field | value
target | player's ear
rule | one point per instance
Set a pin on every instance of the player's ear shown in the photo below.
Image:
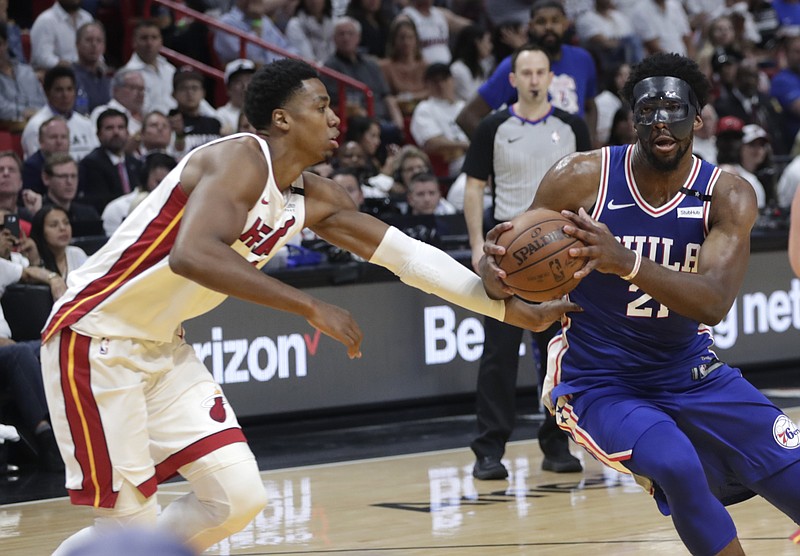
(280, 119)
(698, 121)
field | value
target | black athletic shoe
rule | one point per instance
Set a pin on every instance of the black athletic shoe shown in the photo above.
(489, 468)
(565, 463)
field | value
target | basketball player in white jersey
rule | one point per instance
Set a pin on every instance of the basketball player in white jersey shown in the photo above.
(131, 404)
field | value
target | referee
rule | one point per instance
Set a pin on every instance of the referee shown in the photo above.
(515, 147)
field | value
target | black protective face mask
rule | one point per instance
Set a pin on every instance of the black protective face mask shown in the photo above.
(664, 99)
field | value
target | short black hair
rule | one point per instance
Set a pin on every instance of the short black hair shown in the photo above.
(437, 72)
(57, 72)
(272, 86)
(542, 4)
(673, 65)
(110, 113)
(154, 161)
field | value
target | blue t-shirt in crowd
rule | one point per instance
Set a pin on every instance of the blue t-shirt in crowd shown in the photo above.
(574, 82)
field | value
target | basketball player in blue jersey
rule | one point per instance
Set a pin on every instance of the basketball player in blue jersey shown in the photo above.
(131, 403)
(634, 378)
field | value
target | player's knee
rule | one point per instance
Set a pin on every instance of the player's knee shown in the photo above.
(244, 496)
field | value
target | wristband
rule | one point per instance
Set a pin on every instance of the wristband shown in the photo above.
(637, 263)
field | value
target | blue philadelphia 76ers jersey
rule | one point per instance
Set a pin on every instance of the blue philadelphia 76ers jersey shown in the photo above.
(624, 335)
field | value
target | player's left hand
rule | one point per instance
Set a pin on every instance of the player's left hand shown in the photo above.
(602, 250)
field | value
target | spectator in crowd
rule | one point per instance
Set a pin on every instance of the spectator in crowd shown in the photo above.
(53, 34)
(108, 172)
(191, 127)
(756, 157)
(433, 124)
(425, 197)
(472, 60)
(253, 18)
(766, 23)
(348, 179)
(13, 34)
(411, 160)
(237, 76)
(53, 138)
(10, 188)
(536, 126)
(663, 26)
(353, 156)
(705, 138)
(434, 26)
(155, 69)
(52, 232)
(366, 132)
(752, 106)
(128, 92)
(59, 88)
(404, 67)
(61, 180)
(21, 94)
(574, 84)
(609, 101)
(508, 36)
(156, 166)
(730, 138)
(608, 34)
(623, 131)
(786, 90)
(20, 370)
(724, 67)
(349, 61)
(310, 30)
(374, 25)
(719, 37)
(93, 83)
(156, 136)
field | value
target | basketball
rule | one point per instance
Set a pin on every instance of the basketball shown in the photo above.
(537, 261)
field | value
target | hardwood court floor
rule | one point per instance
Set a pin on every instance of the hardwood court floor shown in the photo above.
(428, 504)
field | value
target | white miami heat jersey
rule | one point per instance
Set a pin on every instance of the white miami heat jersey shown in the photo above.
(127, 289)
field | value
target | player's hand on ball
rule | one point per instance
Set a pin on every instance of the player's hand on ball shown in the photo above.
(537, 317)
(491, 274)
(602, 250)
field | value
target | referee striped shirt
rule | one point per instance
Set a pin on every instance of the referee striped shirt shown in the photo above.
(517, 153)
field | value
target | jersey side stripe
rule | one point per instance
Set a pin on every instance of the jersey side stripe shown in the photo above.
(153, 245)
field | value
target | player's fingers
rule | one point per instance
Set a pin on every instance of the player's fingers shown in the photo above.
(495, 232)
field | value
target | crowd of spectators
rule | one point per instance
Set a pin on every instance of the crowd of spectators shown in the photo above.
(97, 130)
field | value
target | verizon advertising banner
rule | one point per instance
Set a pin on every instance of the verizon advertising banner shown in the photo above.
(417, 346)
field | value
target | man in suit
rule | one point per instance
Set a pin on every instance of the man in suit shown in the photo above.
(108, 172)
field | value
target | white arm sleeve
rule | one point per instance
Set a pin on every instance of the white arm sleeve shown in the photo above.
(433, 271)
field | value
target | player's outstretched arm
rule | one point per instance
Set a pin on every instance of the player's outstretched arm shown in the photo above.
(223, 182)
(421, 265)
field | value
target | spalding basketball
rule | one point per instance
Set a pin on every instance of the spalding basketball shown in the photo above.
(537, 261)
